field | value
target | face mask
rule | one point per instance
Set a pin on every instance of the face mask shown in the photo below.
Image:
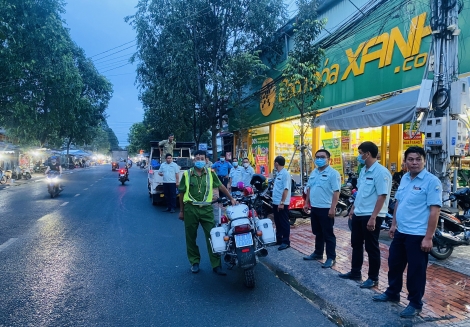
(320, 162)
(222, 159)
(199, 164)
(360, 160)
(246, 164)
(235, 164)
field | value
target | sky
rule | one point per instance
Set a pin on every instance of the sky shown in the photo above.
(98, 27)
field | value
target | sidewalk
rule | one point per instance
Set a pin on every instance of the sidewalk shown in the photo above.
(447, 300)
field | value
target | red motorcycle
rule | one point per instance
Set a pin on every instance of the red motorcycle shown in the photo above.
(296, 205)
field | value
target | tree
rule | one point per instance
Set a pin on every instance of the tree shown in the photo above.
(302, 83)
(194, 55)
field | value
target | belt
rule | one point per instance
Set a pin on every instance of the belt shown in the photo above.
(200, 205)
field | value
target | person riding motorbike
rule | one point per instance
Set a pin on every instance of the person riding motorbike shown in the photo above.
(54, 166)
(122, 164)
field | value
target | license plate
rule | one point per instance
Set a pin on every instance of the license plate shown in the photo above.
(162, 195)
(242, 240)
(122, 175)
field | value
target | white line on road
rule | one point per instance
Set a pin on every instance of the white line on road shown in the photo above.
(77, 194)
(64, 204)
(85, 189)
(7, 244)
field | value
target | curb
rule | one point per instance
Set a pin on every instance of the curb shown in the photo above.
(342, 301)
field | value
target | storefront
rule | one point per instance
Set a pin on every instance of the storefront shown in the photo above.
(372, 69)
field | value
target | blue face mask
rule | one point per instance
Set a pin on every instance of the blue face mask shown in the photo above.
(222, 159)
(360, 160)
(320, 162)
(235, 164)
(199, 164)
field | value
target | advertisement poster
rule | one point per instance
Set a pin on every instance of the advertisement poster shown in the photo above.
(260, 150)
(345, 141)
(411, 136)
(334, 147)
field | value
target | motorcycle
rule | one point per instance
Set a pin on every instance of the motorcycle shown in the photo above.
(123, 176)
(39, 168)
(25, 172)
(3, 178)
(453, 229)
(52, 180)
(241, 236)
(296, 204)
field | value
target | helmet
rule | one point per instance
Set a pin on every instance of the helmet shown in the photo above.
(259, 181)
(247, 190)
(240, 185)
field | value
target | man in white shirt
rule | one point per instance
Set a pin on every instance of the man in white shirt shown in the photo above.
(248, 172)
(170, 172)
(235, 176)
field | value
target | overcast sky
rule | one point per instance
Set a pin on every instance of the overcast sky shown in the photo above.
(98, 26)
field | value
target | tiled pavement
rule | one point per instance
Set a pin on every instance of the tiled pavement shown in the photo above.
(447, 297)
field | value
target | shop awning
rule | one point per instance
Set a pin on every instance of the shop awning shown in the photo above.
(395, 110)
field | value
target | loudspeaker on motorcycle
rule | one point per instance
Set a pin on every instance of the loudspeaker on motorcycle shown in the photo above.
(266, 226)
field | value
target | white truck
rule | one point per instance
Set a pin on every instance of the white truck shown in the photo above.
(116, 156)
(181, 156)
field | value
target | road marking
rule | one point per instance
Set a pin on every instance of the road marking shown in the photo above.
(77, 194)
(64, 204)
(91, 185)
(7, 244)
(85, 189)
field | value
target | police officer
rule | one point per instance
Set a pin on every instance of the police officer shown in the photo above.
(166, 146)
(195, 203)
(248, 172)
(414, 223)
(281, 199)
(322, 195)
(222, 168)
(56, 167)
(235, 176)
(369, 210)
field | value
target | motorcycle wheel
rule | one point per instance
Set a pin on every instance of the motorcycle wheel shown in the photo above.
(27, 176)
(3, 180)
(441, 252)
(249, 278)
(123, 182)
(338, 210)
(292, 221)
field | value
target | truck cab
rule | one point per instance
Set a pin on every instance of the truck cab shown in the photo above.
(181, 156)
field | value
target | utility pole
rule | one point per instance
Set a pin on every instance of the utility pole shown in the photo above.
(443, 97)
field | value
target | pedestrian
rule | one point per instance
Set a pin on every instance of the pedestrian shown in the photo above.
(396, 178)
(281, 199)
(322, 196)
(222, 169)
(235, 176)
(415, 218)
(248, 172)
(170, 172)
(367, 213)
(166, 146)
(196, 189)
(208, 164)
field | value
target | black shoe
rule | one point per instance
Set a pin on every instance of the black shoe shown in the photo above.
(410, 312)
(313, 256)
(278, 242)
(328, 263)
(172, 211)
(384, 298)
(218, 270)
(195, 268)
(166, 210)
(369, 283)
(349, 275)
(283, 246)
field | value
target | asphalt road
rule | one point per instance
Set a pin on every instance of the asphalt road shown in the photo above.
(101, 255)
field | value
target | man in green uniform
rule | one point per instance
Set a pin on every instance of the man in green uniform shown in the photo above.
(166, 146)
(195, 198)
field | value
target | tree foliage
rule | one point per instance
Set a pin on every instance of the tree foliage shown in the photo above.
(196, 56)
(49, 92)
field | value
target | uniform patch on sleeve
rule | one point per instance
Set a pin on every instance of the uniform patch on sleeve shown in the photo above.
(438, 188)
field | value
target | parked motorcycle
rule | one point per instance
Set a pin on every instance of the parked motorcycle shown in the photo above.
(296, 205)
(25, 172)
(3, 178)
(241, 236)
(452, 229)
(53, 183)
(123, 177)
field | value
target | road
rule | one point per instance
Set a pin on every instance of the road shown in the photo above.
(101, 255)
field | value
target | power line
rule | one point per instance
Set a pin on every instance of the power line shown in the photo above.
(112, 48)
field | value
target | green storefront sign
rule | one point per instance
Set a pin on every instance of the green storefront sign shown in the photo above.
(384, 52)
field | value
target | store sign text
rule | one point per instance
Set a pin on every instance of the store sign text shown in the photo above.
(382, 48)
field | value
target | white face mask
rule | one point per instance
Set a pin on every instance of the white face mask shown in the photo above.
(246, 164)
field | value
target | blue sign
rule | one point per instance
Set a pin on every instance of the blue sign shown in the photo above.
(203, 146)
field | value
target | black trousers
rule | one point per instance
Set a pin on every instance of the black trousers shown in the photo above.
(223, 180)
(169, 189)
(281, 219)
(322, 228)
(360, 237)
(406, 250)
